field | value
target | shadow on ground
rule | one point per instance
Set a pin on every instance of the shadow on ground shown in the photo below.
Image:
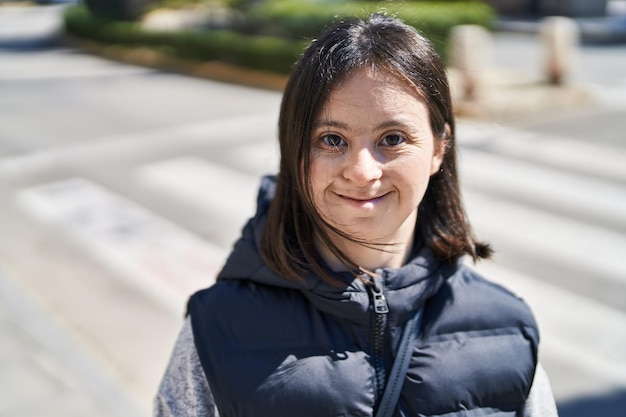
(610, 405)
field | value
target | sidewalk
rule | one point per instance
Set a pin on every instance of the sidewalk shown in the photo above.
(43, 371)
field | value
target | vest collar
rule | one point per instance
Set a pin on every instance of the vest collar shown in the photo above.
(405, 288)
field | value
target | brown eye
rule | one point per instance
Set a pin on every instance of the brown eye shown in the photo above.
(333, 141)
(392, 140)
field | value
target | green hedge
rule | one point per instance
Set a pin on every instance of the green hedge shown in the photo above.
(256, 52)
(298, 19)
(278, 30)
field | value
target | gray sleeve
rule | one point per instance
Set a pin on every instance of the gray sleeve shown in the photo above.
(540, 402)
(184, 390)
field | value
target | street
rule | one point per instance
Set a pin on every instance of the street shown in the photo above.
(122, 189)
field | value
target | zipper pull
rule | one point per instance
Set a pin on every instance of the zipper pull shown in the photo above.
(380, 303)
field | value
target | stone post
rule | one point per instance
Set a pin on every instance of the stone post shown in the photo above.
(471, 53)
(560, 37)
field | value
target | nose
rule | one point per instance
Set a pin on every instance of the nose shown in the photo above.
(362, 167)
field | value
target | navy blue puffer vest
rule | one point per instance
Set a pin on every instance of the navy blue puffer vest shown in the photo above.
(271, 347)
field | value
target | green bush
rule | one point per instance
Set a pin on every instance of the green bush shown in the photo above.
(299, 19)
(277, 30)
(257, 52)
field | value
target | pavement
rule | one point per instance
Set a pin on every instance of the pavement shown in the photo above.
(46, 372)
(45, 367)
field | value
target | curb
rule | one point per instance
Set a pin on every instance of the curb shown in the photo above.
(210, 70)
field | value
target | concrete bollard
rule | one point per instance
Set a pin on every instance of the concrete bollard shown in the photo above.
(560, 37)
(471, 53)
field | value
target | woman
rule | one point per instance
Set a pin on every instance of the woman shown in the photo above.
(361, 234)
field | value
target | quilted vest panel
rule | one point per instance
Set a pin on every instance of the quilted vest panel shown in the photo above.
(266, 351)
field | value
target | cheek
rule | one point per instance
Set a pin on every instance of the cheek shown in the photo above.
(415, 176)
(323, 169)
(319, 180)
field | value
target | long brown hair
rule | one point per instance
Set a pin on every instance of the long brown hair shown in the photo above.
(293, 220)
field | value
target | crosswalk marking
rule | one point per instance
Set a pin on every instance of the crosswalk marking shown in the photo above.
(255, 159)
(230, 130)
(225, 194)
(518, 200)
(125, 236)
(160, 258)
(568, 194)
(582, 246)
(587, 158)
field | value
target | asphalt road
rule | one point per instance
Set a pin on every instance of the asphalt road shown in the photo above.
(122, 189)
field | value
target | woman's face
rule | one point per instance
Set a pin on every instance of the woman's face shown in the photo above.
(373, 153)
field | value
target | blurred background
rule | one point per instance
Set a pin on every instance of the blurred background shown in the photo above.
(133, 134)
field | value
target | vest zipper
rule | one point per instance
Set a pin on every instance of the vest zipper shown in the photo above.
(378, 334)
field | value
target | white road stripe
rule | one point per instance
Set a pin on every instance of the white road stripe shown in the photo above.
(225, 193)
(227, 130)
(229, 195)
(579, 245)
(584, 157)
(257, 159)
(566, 193)
(49, 72)
(160, 258)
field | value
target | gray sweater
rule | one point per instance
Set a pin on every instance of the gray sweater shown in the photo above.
(184, 390)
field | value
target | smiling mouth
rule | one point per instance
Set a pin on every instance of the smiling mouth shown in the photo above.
(363, 200)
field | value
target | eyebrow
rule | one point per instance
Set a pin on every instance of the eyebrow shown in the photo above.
(340, 125)
(330, 123)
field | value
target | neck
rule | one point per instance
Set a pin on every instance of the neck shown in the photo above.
(392, 254)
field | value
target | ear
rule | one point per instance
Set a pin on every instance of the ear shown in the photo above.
(439, 151)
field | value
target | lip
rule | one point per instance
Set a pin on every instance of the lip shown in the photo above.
(363, 200)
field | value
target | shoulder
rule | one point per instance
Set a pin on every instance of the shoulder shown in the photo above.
(216, 292)
(233, 293)
(235, 306)
(472, 290)
(469, 300)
